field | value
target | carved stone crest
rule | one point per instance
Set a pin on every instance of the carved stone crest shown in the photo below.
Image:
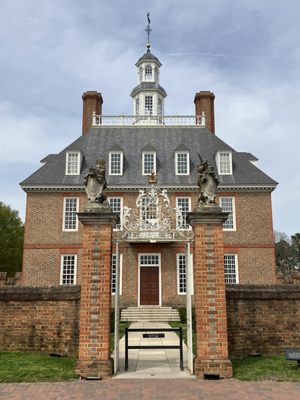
(95, 183)
(208, 184)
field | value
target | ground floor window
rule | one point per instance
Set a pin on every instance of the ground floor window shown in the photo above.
(181, 274)
(68, 269)
(231, 268)
(114, 273)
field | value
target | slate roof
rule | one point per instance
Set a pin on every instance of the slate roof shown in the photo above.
(148, 86)
(148, 56)
(133, 140)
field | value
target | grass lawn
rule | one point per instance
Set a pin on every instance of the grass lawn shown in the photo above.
(34, 367)
(274, 368)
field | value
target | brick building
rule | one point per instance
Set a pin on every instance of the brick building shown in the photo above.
(133, 147)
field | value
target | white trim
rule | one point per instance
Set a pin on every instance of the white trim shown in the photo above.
(187, 161)
(121, 208)
(61, 267)
(78, 162)
(120, 276)
(218, 155)
(64, 214)
(189, 210)
(143, 161)
(121, 162)
(233, 213)
(145, 266)
(192, 273)
(236, 266)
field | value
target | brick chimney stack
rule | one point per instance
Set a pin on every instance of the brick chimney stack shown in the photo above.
(92, 101)
(204, 101)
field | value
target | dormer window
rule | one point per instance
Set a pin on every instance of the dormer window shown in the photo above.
(182, 163)
(72, 163)
(149, 162)
(116, 163)
(148, 73)
(224, 162)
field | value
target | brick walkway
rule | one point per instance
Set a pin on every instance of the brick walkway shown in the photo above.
(156, 389)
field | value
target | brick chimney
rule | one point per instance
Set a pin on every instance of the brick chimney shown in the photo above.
(204, 101)
(92, 101)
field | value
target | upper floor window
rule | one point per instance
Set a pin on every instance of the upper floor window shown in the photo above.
(231, 268)
(224, 162)
(156, 74)
(228, 205)
(137, 106)
(182, 163)
(115, 163)
(113, 274)
(68, 267)
(148, 105)
(116, 205)
(149, 162)
(70, 220)
(141, 74)
(148, 73)
(185, 205)
(160, 106)
(148, 212)
(72, 163)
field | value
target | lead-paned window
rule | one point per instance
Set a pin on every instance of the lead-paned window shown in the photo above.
(182, 163)
(68, 269)
(70, 220)
(115, 163)
(149, 162)
(148, 73)
(230, 268)
(72, 163)
(227, 204)
(185, 206)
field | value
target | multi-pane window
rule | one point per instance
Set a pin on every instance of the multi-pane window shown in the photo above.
(137, 106)
(115, 163)
(70, 221)
(72, 163)
(160, 106)
(224, 161)
(227, 204)
(230, 268)
(114, 273)
(182, 163)
(149, 259)
(148, 105)
(185, 206)
(149, 163)
(148, 211)
(181, 274)
(148, 73)
(116, 206)
(68, 269)
(141, 74)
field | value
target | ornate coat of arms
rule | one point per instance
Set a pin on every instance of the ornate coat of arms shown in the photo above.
(208, 184)
(95, 182)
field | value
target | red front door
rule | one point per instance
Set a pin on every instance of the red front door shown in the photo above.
(149, 286)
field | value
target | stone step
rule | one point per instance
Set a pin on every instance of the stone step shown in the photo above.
(163, 314)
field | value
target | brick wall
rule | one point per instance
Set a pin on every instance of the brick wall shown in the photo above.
(39, 319)
(262, 318)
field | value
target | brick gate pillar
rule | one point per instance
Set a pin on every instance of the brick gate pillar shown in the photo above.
(94, 335)
(209, 293)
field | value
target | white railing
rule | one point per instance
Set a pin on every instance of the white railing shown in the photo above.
(169, 120)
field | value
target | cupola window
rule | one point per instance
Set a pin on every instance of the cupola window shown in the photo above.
(148, 73)
(137, 106)
(148, 105)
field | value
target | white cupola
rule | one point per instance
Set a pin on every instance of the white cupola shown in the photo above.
(148, 96)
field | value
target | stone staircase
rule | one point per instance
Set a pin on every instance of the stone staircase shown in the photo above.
(148, 313)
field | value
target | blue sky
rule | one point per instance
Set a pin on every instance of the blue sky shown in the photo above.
(246, 51)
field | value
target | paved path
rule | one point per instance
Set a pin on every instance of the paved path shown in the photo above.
(152, 363)
(157, 389)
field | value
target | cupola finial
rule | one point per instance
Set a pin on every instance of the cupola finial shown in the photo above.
(148, 30)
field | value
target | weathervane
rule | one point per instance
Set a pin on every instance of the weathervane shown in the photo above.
(148, 30)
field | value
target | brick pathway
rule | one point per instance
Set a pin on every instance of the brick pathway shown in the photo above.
(156, 389)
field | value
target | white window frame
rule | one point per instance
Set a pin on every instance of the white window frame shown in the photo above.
(189, 210)
(148, 110)
(120, 277)
(121, 208)
(236, 268)
(120, 153)
(62, 266)
(64, 215)
(187, 153)
(145, 266)
(232, 213)
(148, 76)
(69, 153)
(178, 255)
(144, 153)
(219, 154)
